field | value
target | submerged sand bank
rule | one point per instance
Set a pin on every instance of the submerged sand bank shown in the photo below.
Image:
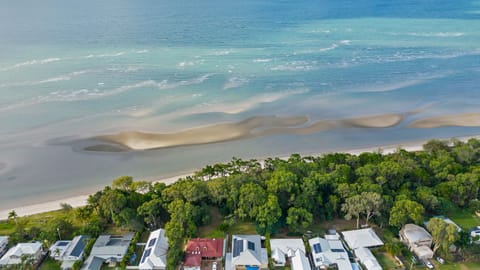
(459, 120)
(251, 127)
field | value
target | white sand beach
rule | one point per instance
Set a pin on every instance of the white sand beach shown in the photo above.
(75, 201)
(81, 200)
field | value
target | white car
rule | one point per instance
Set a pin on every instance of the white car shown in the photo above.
(440, 260)
(214, 266)
(429, 265)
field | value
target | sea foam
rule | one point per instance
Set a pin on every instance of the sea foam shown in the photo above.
(30, 63)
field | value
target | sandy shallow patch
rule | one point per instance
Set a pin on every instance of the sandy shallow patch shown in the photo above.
(209, 134)
(459, 120)
(248, 128)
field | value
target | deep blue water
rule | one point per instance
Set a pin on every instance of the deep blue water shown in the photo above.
(83, 68)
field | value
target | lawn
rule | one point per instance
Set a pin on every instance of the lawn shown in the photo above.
(319, 228)
(386, 261)
(38, 220)
(50, 264)
(242, 227)
(457, 266)
(7, 227)
(113, 230)
(212, 230)
(465, 219)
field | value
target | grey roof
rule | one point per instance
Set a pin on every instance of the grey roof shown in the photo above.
(108, 246)
(415, 233)
(93, 263)
(109, 240)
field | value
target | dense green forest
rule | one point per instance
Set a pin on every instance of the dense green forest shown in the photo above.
(387, 190)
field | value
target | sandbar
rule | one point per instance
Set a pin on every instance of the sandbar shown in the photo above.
(248, 128)
(458, 120)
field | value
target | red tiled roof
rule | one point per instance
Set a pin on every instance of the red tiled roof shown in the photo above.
(208, 248)
(192, 260)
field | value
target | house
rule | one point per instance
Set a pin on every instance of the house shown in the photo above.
(446, 220)
(329, 252)
(359, 241)
(93, 263)
(16, 254)
(418, 240)
(299, 261)
(69, 251)
(367, 259)
(109, 249)
(284, 248)
(247, 253)
(155, 253)
(199, 249)
(3, 245)
(364, 238)
(58, 249)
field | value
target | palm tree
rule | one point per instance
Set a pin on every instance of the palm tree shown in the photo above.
(13, 215)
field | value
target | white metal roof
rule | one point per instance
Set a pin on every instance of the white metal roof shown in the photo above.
(285, 244)
(367, 258)
(155, 254)
(326, 252)
(362, 238)
(13, 255)
(300, 261)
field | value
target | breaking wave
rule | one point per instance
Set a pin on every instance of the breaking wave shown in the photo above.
(89, 94)
(235, 82)
(104, 55)
(439, 34)
(296, 66)
(30, 63)
(243, 105)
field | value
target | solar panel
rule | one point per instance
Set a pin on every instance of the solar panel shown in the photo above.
(237, 247)
(317, 248)
(62, 244)
(337, 250)
(251, 246)
(146, 254)
(152, 242)
(78, 249)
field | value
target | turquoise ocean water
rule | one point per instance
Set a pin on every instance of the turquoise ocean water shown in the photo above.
(75, 69)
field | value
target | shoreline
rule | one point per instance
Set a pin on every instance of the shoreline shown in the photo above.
(81, 200)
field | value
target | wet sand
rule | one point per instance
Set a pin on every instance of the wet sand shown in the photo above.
(458, 120)
(251, 127)
(209, 134)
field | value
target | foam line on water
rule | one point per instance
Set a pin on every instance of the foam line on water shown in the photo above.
(90, 94)
(32, 62)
